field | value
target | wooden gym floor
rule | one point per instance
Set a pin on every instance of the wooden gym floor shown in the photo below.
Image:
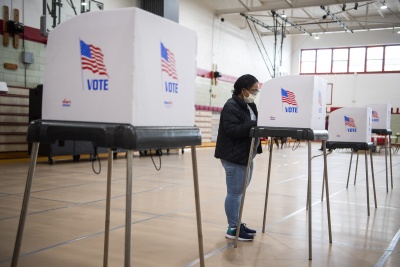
(65, 222)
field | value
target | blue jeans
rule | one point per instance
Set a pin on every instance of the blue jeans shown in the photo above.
(235, 175)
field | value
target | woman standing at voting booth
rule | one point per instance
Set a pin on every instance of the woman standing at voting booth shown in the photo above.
(238, 116)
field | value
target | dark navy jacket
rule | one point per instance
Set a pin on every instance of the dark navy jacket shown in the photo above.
(233, 141)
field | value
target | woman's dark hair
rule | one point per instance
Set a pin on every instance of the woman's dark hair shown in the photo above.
(244, 81)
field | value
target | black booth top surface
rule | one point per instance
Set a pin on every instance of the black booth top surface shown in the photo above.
(351, 145)
(295, 133)
(109, 135)
(382, 131)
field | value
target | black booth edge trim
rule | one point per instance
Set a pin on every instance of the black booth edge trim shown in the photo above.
(110, 135)
(382, 131)
(295, 133)
(351, 145)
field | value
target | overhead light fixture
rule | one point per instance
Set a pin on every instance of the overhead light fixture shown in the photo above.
(383, 6)
(283, 15)
(316, 37)
(328, 13)
(355, 6)
(344, 7)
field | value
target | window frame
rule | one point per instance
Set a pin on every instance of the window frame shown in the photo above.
(348, 60)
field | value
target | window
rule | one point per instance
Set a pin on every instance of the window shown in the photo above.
(392, 58)
(374, 59)
(324, 59)
(384, 58)
(357, 59)
(340, 60)
(308, 61)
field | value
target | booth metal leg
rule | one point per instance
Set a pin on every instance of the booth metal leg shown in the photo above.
(386, 167)
(355, 174)
(128, 208)
(323, 182)
(366, 179)
(348, 175)
(373, 177)
(244, 191)
(323, 186)
(198, 211)
(309, 204)
(391, 165)
(308, 199)
(24, 209)
(267, 188)
(108, 202)
(328, 208)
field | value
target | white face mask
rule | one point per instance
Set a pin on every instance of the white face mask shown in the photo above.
(250, 98)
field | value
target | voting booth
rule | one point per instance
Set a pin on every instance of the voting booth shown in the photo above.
(297, 101)
(351, 128)
(121, 79)
(292, 106)
(144, 75)
(381, 117)
(350, 125)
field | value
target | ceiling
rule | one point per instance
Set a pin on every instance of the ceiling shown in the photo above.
(308, 16)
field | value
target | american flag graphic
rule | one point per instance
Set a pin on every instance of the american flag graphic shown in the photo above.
(375, 115)
(319, 98)
(349, 122)
(92, 59)
(168, 62)
(288, 97)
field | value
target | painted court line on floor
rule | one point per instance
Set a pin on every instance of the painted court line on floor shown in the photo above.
(389, 250)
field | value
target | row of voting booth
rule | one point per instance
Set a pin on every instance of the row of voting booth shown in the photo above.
(138, 93)
(295, 106)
